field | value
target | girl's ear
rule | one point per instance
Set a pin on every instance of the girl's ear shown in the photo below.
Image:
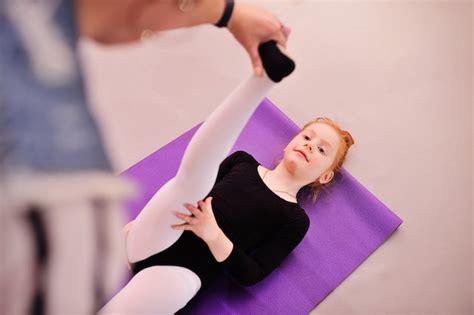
(326, 178)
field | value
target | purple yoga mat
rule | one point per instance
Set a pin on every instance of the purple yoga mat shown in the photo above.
(347, 224)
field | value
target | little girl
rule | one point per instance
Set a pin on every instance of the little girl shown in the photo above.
(249, 220)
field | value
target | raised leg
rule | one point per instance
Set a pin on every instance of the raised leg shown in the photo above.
(151, 231)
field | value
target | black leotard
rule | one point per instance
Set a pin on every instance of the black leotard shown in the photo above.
(263, 227)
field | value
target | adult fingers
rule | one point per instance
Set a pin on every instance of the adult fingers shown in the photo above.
(280, 38)
(286, 30)
(256, 61)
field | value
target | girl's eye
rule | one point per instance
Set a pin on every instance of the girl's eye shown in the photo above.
(306, 137)
(322, 150)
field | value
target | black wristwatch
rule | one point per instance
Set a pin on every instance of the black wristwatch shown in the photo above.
(229, 7)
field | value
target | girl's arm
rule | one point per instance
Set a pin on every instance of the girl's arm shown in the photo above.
(248, 269)
(220, 247)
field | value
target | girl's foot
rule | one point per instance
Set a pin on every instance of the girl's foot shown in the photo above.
(275, 60)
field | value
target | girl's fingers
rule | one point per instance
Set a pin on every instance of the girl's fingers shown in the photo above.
(185, 217)
(209, 202)
(195, 211)
(202, 205)
(181, 227)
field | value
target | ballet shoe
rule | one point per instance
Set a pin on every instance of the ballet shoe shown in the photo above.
(275, 60)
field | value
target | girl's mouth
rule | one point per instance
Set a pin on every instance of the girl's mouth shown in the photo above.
(302, 155)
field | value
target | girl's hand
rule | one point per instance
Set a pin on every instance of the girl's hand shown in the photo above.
(202, 221)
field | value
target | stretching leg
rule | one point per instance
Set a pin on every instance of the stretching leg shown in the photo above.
(151, 231)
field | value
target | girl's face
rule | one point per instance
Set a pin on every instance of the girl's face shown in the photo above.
(310, 153)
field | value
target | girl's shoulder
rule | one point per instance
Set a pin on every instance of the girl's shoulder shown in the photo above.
(241, 156)
(232, 160)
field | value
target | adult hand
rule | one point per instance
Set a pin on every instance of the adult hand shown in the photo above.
(252, 26)
(202, 221)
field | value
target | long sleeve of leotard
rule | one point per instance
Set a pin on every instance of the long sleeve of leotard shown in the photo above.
(248, 269)
(227, 164)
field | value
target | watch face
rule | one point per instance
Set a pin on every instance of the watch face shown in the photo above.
(186, 5)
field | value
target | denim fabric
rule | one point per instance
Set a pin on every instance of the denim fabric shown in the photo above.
(44, 127)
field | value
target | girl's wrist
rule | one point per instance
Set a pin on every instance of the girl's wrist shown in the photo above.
(216, 238)
(220, 247)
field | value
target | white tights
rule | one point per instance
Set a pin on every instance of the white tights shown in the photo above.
(166, 289)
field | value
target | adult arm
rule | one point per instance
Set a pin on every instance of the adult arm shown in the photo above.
(121, 21)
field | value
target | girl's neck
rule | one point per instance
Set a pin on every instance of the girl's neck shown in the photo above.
(282, 179)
